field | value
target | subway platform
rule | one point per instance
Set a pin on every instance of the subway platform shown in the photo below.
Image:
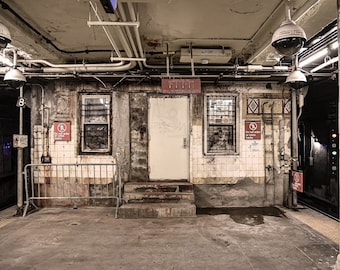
(91, 239)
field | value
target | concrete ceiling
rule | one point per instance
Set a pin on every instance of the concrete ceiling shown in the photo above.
(62, 31)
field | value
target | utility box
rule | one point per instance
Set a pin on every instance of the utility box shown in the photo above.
(20, 141)
(206, 56)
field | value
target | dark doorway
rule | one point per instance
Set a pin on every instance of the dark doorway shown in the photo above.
(9, 125)
(318, 151)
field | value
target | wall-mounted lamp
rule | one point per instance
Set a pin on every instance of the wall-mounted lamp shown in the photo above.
(289, 38)
(14, 78)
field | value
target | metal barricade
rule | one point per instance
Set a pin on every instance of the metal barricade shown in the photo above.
(71, 184)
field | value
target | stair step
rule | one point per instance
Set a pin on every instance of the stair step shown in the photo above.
(158, 187)
(152, 197)
(157, 210)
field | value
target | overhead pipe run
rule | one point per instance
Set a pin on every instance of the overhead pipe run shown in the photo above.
(122, 15)
(79, 68)
(103, 23)
(108, 35)
(123, 39)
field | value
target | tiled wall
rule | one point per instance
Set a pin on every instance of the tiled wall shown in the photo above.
(61, 105)
(250, 161)
(237, 178)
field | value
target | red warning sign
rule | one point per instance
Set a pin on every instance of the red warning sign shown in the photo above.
(297, 181)
(62, 131)
(252, 130)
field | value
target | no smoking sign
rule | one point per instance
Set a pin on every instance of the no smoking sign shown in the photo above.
(252, 130)
(62, 131)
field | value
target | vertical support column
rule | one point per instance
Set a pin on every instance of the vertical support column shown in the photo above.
(294, 144)
(337, 266)
(20, 159)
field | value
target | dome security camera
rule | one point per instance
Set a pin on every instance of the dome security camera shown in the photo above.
(5, 36)
(289, 38)
(296, 79)
(14, 78)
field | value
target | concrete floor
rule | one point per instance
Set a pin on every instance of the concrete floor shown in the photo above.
(91, 238)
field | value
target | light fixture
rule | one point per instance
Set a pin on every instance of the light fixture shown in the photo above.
(289, 38)
(296, 79)
(5, 36)
(14, 78)
(109, 6)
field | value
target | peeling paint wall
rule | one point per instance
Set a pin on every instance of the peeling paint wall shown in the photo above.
(250, 177)
(139, 137)
(59, 102)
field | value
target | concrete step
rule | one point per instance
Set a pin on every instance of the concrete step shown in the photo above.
(160, 197)
(157, 210)
(158, 187)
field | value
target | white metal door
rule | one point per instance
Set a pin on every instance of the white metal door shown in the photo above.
(169, 138)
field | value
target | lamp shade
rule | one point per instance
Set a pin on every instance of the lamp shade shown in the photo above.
(296, 79)
(289, 38)
(14, 78)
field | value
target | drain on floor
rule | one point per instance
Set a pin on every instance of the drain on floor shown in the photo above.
(251, 220)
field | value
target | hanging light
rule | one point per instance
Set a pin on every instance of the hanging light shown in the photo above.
(296, 79)
(289, 38)
(14, 78)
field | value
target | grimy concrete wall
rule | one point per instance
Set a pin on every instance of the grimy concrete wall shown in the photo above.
(139, 137)
(250, 177)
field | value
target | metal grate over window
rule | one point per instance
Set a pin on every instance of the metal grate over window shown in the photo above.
(220, 124)
(95, 123)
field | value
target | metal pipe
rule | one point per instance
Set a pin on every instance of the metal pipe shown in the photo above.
(127, 40)
(127, 29)
(128, 59)
(134, 18)
(70, 66)
(20, 156)
(111, 40)
(287, 7)
(103, 23)
(86, 68)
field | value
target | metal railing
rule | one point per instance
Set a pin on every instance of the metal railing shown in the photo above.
(88, 184)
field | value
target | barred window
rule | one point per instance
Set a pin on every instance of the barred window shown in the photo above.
(95, 118)
(220, 124)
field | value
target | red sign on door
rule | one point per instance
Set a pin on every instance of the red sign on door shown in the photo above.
(297, 181)
(252, 130)
(62, 131)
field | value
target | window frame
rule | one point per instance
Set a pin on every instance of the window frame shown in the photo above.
(86, 124)
(228, 125)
